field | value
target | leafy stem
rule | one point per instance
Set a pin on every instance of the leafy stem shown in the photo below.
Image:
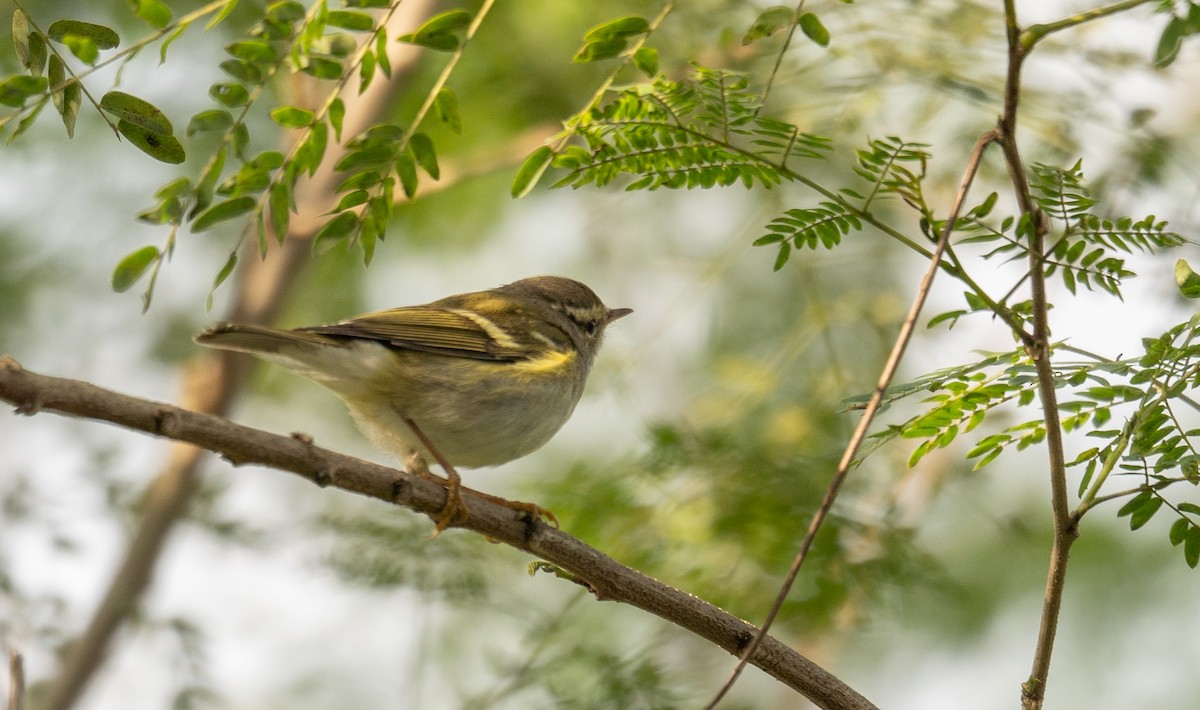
(1036, 33)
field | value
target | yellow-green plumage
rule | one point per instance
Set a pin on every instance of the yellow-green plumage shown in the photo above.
(488, 376)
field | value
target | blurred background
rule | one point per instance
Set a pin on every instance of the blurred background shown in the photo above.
(710, 428)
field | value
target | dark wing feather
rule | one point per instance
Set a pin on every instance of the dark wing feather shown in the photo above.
(426, 329)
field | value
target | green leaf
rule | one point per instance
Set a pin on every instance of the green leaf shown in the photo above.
(1169, 43)
(285, 11)
(281, 205)
(222, 212)
(209, 121)
(30, 46)
(1133, 504)
(230, 95)
(951, 316)
(131, 268)
(170, 202)
(381, 57)
(406, 170)
(15, 90)
(163, 147)
(351, 199)
(366, 71)
(323, 68)
(1186, 280)
(220, 16)
(446, 106)
(152, 12)
(133, 110)
(291, 117)
(83, 48)
(1178, 531)
(71, 99)
(29, 119)
(223, 274)
(424, 153)
(439, 31)
(252, 50)
(646, 61)
(622, 27)
(599, 50)
(176, 34)
(781, 259)
(208, 181)
(812, 28)
(531, 171)
(1191, 547)
(334, 231)
(99, 35)
(768, 23)
(350, 20)
(1142, 515)
(242, 70)
(337, 112)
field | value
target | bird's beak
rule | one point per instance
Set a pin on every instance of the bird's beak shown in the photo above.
(616, 313)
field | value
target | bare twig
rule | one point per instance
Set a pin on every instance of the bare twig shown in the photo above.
(605, 578)
(860, 432)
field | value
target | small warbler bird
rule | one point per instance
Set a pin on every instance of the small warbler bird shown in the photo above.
(475, 379)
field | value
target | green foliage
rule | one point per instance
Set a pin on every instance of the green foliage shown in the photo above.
(702, 131)
(610, 39)
(1155, 445)
(441, 32)
(885, 164)
(812, 28)
(1081, 245)
(801, 228)
(1177, 29)
(1186, 280)
(140, 122)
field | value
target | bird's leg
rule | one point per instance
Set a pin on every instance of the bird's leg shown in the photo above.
(454, 509)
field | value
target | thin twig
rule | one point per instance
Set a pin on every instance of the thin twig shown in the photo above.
(860, 432)
(787, 42)
(605, 578)
(1036, 33)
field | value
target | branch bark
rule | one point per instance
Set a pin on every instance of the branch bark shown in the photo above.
(1037, 344)
(603, 576)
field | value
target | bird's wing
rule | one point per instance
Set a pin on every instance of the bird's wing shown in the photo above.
(446, 331)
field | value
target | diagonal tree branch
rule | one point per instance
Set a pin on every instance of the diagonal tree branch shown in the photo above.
(600, 574)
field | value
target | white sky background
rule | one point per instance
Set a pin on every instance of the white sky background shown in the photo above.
(259, 611)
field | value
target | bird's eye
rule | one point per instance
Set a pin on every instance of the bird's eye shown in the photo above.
(592, 327)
